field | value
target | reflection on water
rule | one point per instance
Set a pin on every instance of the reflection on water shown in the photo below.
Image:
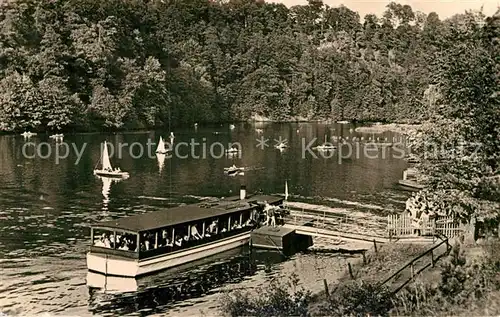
(106, 188)
(158, 292)
(161, 161)
(47, 205)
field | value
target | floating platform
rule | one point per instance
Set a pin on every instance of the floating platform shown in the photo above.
(280, 238)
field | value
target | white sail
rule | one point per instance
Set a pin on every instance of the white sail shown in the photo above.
(161, 146)
(106, 164)
(286, 190)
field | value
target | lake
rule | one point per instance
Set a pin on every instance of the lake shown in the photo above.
(49, 196)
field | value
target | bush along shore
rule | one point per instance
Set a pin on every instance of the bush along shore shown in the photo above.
(465, 282)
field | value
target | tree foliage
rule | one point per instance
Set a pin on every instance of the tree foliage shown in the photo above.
(461, 151)
(134, 64)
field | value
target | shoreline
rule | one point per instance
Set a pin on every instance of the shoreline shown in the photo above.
(366, 127)
(401, 128)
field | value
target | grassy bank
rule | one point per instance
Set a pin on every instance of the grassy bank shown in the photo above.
(285, 298)
(466, 282)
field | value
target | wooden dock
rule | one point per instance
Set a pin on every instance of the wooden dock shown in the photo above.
(281, 238)
(340, 235)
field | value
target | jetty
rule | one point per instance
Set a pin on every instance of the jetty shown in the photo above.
(347, 231)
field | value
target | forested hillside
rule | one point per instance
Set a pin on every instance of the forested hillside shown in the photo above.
(87, 64)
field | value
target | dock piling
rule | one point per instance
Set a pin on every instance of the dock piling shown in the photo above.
(326, 288)
(350, 270)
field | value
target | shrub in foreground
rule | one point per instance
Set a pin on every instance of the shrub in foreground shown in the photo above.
(280, 298)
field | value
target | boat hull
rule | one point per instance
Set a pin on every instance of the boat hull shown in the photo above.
(118, 266)
(411, 184)
(111, 174)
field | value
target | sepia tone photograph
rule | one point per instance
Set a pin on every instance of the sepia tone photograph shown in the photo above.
(249, 158)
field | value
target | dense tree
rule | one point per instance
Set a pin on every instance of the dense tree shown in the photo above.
(136, 64)
(461, 151)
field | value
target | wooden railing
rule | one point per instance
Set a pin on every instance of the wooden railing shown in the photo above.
(403, 225)
(413, 268)
(338, 222)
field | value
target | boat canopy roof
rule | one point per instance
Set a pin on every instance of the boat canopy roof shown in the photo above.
(185, 214)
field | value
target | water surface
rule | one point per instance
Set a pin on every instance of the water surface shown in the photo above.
(46, 207)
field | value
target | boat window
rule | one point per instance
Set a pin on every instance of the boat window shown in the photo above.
(165, 237)
(102, 238)
(126, 241)
(187, 235)
(114, 240)
(147, 241)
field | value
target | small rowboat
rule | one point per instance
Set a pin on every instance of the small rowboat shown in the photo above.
(28, 134)
(232, 150)
(410, 184)
(325, 147)
(57, 137)
(281, 146)
(233, 169)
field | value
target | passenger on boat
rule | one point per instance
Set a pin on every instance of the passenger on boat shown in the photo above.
(273, 217)
(107, 242)
(124, 245)
(164, 238)
(249, 222)
(195, 234)
(267, 211)
(168, 243)
(212, 228)
(236, 225)
(100, 242)
(178, 240)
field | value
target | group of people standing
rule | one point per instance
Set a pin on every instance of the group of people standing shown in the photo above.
(421, 211)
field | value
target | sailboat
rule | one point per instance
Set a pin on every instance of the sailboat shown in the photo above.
(161, 147)
(106, 169)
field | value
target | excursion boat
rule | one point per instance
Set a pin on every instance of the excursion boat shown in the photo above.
(143, 244)
(106, 169)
